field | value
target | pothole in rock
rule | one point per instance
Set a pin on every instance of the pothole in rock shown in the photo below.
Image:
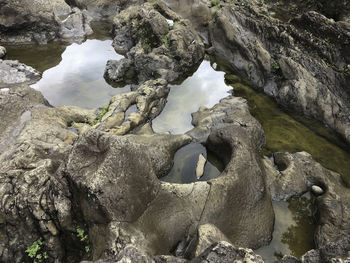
(294, 229)
(73, 74)
(204, 88)
(185, 165)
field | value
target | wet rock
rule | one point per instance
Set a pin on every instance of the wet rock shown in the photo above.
(41, 21)
(224, 252)
(2, 52)
(301, 64)
(297, 174)
(156, 49)
(200, 166)
(317, 190)
(13, 72)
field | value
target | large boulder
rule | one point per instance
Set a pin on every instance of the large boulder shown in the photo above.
(303, 64)
(40, 21)
(35, 206)
(156, 43)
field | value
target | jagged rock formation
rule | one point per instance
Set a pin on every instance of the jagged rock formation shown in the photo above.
(303, 64)
(157, 44)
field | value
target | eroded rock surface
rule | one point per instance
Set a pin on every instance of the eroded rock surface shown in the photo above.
(39, 21)
(12, 72)
(153, 47)
(297, 174)
(303, 64)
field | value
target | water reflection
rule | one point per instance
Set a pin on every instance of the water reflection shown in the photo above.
(78, 79)
(40, 57)
(185, 161)
(294, 229)
(205, 88)
(290, 133)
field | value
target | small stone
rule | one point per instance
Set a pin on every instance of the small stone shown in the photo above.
(200, 166)
(317, 190)
(2, 52)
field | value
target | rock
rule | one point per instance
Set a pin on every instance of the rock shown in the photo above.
(290, 259)
(76, 26)
(13, 72)
(40, 21)
(317, 190)
(200, 166)
(104, 9)
(301, 66)
(149, 98)
(337, 251)
(155, 49)
(297, 174)
(35, 200)
(224, 252)
(2, 52)
(206, 236)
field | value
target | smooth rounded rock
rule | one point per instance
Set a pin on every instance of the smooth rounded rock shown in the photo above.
(317, 190)
(2, 52)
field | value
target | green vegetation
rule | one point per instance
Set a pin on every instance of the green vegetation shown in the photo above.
(213, 3)
(83, 238)
(165, 40)
(100, 115)
(36, 253)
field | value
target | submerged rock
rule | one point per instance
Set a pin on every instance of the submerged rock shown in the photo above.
(200, 166)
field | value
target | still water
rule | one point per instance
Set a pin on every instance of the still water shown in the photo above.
(294, 229)
(204, 88)
(185, 161)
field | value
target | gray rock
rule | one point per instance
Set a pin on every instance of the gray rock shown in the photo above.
(223, 252)
(297, 63)
(35, 200)
(2, 52)
(41, 21)
(13, 72)
(156, 50)
(297, 174)
(149, 98)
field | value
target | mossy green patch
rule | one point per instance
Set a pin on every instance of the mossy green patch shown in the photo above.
(293, 133)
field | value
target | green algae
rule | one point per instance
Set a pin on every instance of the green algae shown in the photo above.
(293, 231)
(292, 133)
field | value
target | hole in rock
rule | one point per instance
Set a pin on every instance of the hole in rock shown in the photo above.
(185, 164)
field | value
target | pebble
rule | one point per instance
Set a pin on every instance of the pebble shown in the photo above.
(317, 190)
